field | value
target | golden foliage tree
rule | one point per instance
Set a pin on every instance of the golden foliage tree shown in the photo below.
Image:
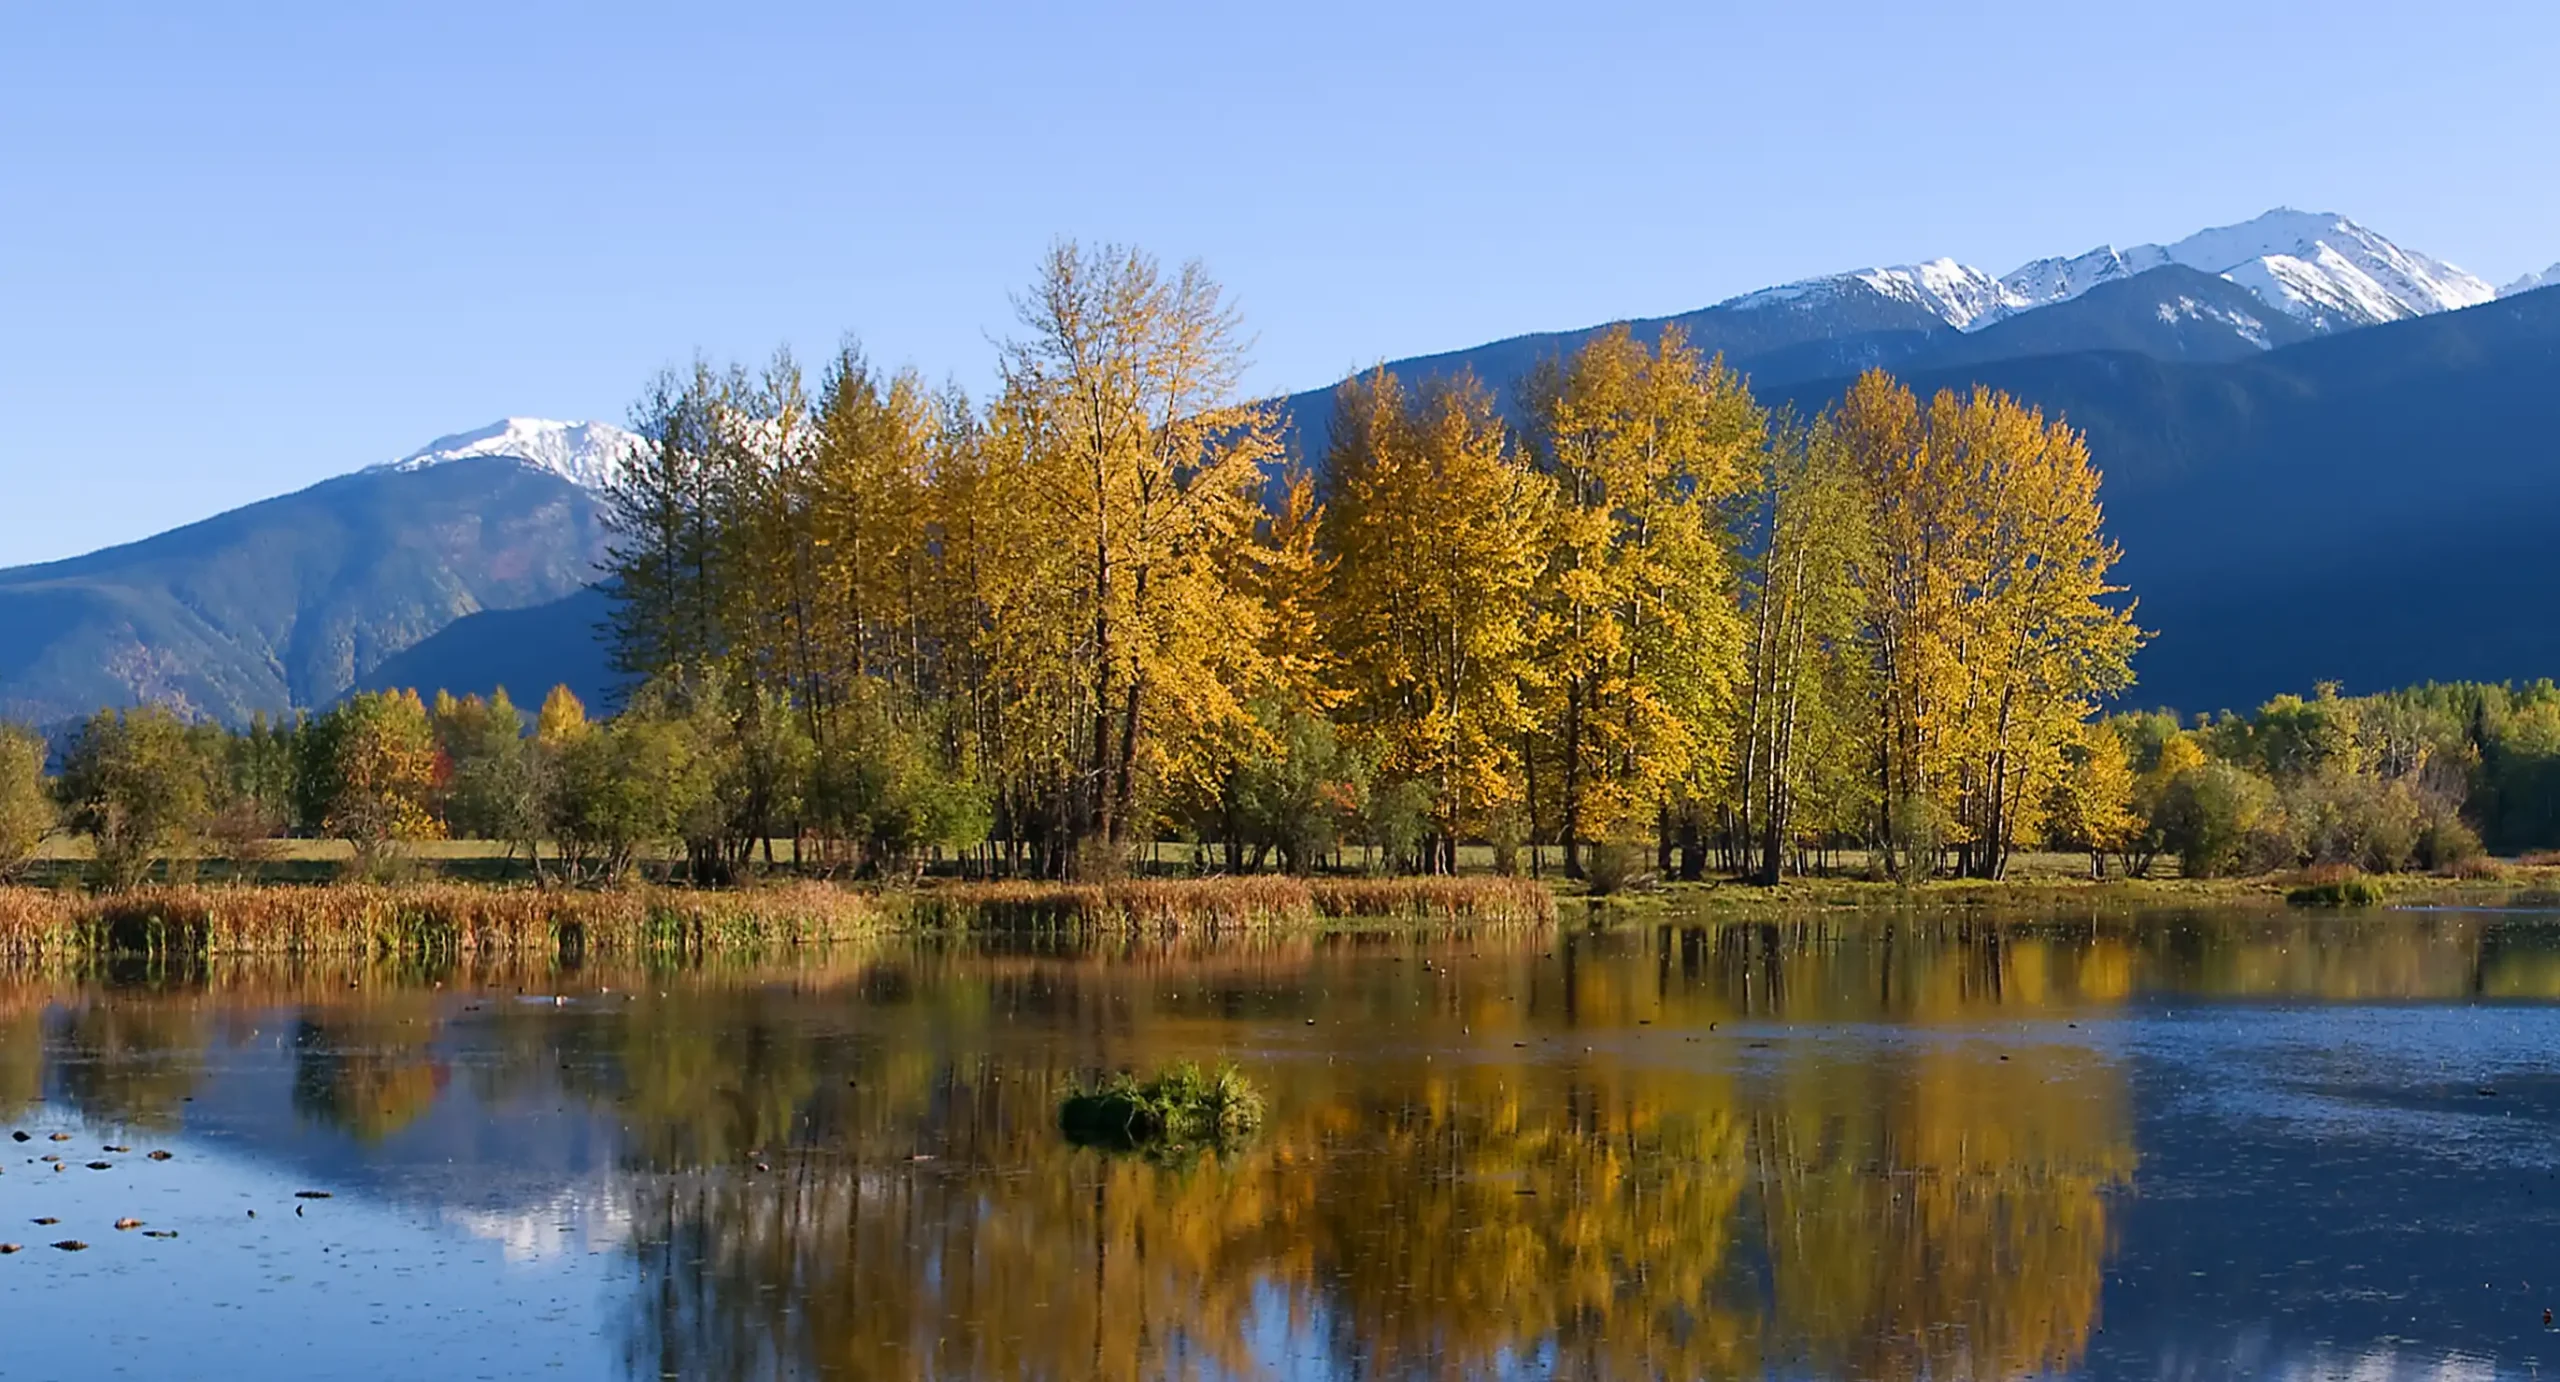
(1435, 529)
(1124, 477)
(1987, 604)
(1638, 634)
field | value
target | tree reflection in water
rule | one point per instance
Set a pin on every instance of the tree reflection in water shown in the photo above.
(1661, 1207)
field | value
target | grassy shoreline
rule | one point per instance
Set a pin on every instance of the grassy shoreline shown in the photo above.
(478, 919)
(518, 920)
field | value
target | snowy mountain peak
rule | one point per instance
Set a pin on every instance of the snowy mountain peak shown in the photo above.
(2548, 278)
(2044, 281)
(2316, 265)
(2328, 270)
(1964, 296)
(589, 454)
(1960, 295)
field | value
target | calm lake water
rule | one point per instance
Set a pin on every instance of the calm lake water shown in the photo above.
(2171, 1147)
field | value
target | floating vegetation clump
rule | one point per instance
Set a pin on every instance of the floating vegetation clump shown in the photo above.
(2338, 892)
(1183, 1106)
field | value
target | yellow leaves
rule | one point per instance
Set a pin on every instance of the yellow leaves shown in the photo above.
(1122, 502)
(1638, 625)
(1987, 599)
(378, 763)
(1434, 528)
(562, 720)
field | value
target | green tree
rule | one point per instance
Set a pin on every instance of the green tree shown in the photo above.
(136, 784)
(490, 785)
(666, 566)
(634, 784)
(27, 810)
(1805, 719)
(886, 789)
(1300, 798)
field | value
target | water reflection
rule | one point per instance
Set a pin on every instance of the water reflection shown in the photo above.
(1838, 1147)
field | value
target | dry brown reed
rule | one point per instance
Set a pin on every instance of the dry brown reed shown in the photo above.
(1172, 907)
(451, 918)
(477, 919)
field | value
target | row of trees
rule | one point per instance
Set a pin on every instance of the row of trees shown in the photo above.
(1633, 611)
(1628, 610)
(579, 799)
(2406, 779)
(2429, 777)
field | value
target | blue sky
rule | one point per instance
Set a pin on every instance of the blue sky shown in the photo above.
(247, 246)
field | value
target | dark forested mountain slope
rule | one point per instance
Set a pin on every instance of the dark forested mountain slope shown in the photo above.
(527, 651)
(289, 601)
(2169, 313)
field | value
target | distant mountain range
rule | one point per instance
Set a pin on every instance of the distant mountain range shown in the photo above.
(289, 601)
(2326, 455)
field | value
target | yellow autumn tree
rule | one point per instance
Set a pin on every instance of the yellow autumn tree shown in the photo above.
(2091, 806)
(371, 768)
(1435, 528)
(1639, 636)
(1988, 607)
(1128, 475)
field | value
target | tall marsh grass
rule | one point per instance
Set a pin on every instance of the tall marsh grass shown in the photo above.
(1226, 905)
(426, 918)
(479, 919)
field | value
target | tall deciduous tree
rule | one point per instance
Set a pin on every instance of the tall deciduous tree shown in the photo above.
(1639, 639)
(1129, 473)
(1804, 720)
(1435, 528)
(1988, 602)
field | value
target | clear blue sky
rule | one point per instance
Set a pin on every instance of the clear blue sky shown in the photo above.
(247, 246)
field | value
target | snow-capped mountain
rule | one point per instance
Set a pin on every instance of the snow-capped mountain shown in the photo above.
(2548, 278)
(2318, 267)
(2328, 270)
(2046, 281)
(587, 454)
(1962, 296)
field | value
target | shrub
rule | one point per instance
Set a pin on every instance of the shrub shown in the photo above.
(1920, 828)
(2221, 820)
(1182, 1106)
(1616, 868)
(2448, 844)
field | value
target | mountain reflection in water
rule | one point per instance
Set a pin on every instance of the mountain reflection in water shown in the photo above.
(1862, 1147)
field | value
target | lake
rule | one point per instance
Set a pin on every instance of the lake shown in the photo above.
(2164, 1146)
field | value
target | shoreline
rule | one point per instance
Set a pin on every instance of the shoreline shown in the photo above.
(656, 920)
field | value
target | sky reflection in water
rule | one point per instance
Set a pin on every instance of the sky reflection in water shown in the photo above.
(2187, 1147)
